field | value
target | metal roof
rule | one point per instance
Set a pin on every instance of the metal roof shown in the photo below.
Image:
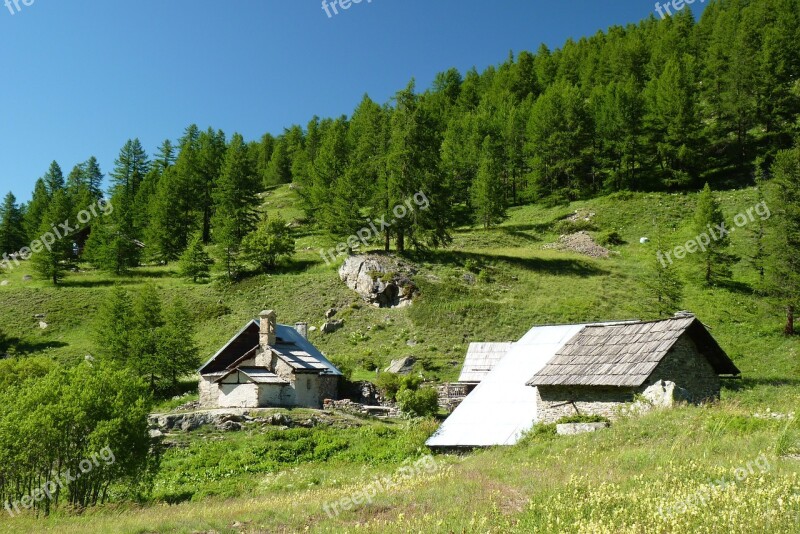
(502, 407)
(626, 355)
(481, 358)
(290, 344)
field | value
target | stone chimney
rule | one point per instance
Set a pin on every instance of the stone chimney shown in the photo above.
(302, 329)
(269, 325)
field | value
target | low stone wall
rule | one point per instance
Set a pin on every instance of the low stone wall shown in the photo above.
(555, 402)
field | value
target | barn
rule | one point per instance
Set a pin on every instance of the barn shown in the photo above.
(590, 369)
(268, 365)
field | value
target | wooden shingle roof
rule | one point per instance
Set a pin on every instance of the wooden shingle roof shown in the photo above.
(625, 355)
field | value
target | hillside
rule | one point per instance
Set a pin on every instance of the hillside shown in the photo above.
(609, 482)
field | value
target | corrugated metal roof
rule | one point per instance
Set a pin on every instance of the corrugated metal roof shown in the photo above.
(625, 355)
(481, 358)
(262, 375)
(502, 407)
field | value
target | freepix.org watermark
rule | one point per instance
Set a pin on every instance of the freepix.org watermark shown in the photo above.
(720, 231)
(363, 237)
(425, 465)
(15, 6)
(700, 497)
(677, 5)
(49, 489)
(331, 7)
(58, 232)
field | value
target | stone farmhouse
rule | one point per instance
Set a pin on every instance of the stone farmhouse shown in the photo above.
(588, 369)
(268, 365)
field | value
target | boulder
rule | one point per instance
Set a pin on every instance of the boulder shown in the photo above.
(381, 281)
(27, 278)
(332, 326)
(402, 366)
(664, 394)
(4, 283)
(330, 313)
(279, 419)
(43, 325)
(229, 426)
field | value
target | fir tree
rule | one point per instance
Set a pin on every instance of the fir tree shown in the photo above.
(487, 190)
(12, 229)
(708, 220)
(195, 263)
(52, 261)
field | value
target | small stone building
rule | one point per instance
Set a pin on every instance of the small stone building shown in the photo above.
(268, 364)
(604, 366)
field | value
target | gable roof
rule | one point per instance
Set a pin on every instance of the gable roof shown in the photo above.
(625, 355)
(481, 359)
(292, 347)
(502, 408)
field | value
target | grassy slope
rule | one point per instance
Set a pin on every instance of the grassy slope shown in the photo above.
(524, 487)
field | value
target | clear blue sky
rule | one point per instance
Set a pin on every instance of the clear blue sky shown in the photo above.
(79, 77)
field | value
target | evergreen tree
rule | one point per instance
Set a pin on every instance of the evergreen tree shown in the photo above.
(195, 263)
(664, 289)
(708, 220)
(783, 233)
(487, 190)
(268, 244)
(178, 354)
(12, 229)
(93, 177)
(146, 322)
(235, 202)
(37, 208)
(53, 179)
(52, 261)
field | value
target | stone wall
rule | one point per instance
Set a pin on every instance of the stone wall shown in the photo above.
(209, 393)
(683, 365)
(555, 402)
(689, 370)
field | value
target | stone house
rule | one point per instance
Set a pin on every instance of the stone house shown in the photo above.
(605, 366)
(591, 369)
(268, 364)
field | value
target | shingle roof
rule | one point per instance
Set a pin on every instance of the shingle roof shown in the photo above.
(625, 355)
(481, 358)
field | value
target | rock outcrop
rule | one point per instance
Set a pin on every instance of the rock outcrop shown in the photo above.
(381, 281)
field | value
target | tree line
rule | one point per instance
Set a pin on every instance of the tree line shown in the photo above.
(661, 105)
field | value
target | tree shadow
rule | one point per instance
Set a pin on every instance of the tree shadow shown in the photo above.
(24, 347)
(557, 266)
(748, 383)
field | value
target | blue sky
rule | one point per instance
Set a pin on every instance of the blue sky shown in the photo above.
(82, 76)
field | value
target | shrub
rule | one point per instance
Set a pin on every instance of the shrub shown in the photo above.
(610, 238)
(581, 418)
(423, 402)
(388, 384)
(566, 226)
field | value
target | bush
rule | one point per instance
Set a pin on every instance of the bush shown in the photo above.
(566, 226)
(580, 418)
(388, 384)
(610, 238)
(423, 402)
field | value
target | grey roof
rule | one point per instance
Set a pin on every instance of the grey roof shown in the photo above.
(625, 355)
(481, 358)
(291, 346)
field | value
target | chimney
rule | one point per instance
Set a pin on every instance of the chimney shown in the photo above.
(267, 334)
(302, 329)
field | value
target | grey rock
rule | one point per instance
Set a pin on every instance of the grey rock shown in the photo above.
(27, 278)
(155, 434)
(279, 419)
(332, 326)
(381, 281)
(43, 325)
(330, 313)
(230, 426)
(402, 366)
(4, 283)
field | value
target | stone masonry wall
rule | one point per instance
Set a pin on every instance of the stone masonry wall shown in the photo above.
(683, 365)
(690, 371)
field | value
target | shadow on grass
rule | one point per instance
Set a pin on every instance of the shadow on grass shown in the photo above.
(24, 347)
(295, 267)
(555, 266)
(748, 383)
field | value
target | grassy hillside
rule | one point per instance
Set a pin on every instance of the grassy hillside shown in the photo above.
(609, 482)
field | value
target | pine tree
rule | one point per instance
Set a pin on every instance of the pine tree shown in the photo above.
(487, 190)
(195, 263)
(12, 229)
(178, 354)
(708, 220)
(664, 289)
(146, 322)
(52, 261)
(37, 208)
(268, 244)
(783, 234)
(93, 177)
(54, 179)
(235, 203)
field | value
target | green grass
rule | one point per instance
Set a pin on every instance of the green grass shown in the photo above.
(610, 481)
